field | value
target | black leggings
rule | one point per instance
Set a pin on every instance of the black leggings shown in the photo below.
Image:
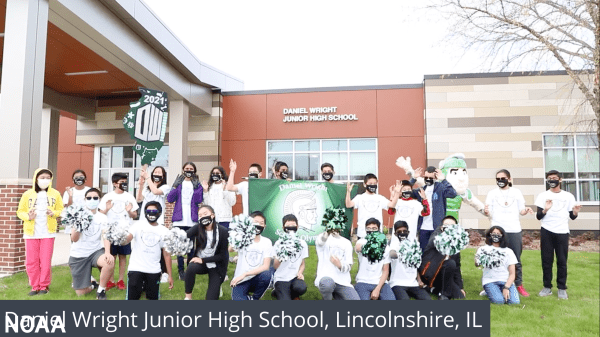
(214, 280)
(137, 282)
(289, 290)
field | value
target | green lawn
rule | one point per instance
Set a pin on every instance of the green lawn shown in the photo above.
(535, 316)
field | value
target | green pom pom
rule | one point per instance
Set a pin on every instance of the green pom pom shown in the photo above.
(452, 240)
(374, 249)
(334, 219)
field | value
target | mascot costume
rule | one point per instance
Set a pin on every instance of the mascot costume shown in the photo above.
(454, 168)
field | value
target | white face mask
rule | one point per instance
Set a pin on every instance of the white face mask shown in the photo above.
(92, 204)
(44, 183)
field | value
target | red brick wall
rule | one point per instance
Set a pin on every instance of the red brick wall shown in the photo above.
(12, 245)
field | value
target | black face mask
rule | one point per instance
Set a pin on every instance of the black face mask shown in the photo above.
(553, 183)
(253, 175)
(259, 229)
(123, 187)
(156, 178)
(283, 175)
(502, 182)
(152, 217)
(402, 235)
(78, 181)
(290, 229)
(205, 220)
(215, 177)
(372, 188)
(372, 231)
(406, 194)
(188, 174)
(496, 237)
(429, 181)
(327, 176)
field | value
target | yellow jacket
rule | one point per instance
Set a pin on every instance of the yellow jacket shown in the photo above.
(28, 201)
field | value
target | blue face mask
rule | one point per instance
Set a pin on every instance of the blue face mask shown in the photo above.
(92, 204)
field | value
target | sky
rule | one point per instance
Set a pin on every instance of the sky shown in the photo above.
(284, 44)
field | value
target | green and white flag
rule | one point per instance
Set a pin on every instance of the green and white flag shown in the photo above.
(146, 123)
(307, 200)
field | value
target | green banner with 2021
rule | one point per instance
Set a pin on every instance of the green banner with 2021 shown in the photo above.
(307, 200)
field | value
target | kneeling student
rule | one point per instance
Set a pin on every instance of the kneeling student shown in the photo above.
(289, 275)
(89, 250)
(371, 279)
(252, 273)
(333, 269)
(404, 280)
(144, 263)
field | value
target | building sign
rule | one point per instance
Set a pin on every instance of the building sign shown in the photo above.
(316, 114)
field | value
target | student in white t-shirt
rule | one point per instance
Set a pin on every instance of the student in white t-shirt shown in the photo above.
(119, 205)
(75, 195)
(370, 204)
(218, 197)
(371, 279)
(333, 269)
(254, 172)
(289, 275)
(153, 187)
(252, 273)
(554, 208)
(144, 270)
(409, 209)
(404, 280)
(498, 282)
(89, 250)
(504, 205)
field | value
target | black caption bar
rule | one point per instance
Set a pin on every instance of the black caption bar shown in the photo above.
(293, 318)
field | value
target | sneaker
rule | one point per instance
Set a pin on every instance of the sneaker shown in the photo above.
(121, 285)
(101, 295)
(33, 293)
(181, 275)
(44, 291)
(483, 293)
(164, 278)
(187, 299)
(221, 292)
(443, 298)
(110, 285)
(522, 291)
(95, 285)
(562, 294)
(545, 292)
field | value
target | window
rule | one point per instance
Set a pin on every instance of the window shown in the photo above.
(576, 157)
(352, 158)
(114, 159)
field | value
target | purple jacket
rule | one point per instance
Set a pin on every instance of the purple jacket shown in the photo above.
(175, 196)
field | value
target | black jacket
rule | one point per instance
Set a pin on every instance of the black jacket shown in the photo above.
(433, 260)
(221, 257)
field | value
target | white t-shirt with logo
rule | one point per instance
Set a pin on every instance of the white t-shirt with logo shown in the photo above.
(409, 211)
(428, 220)
(242, 189)
(556, 219)
(370, 273)
(401, 275)
(253, 257)
(499, 274)
(187, 193)
(90, 240)
(369, 206)
(119, 202)
(505, 207)
(149, 196)
(78, 197)
(342, 249)
(209, 250)
(40, 229)
(146, 247)
(288, 270)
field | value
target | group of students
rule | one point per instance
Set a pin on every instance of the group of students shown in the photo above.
(203, 210)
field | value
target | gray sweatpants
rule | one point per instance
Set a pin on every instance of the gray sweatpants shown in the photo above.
(331, 290)
(515, 242)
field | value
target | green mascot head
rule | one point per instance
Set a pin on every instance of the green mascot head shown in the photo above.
(454, 168)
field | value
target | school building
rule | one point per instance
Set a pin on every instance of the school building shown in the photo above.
(97, 53)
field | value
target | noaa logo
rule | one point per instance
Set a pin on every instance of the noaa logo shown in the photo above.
(28, 324)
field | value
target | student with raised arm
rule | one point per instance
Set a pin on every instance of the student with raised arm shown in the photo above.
(252, 273)
(371, 279)
(144, 269)
(119, 205)
(254, 172)
(504, 205)
(554, 209)
(281, 171)
(89, 249)
(327, 172)
(370, 204)
(289, 275)
(409, 209)
(153, 187)
(218, 197)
